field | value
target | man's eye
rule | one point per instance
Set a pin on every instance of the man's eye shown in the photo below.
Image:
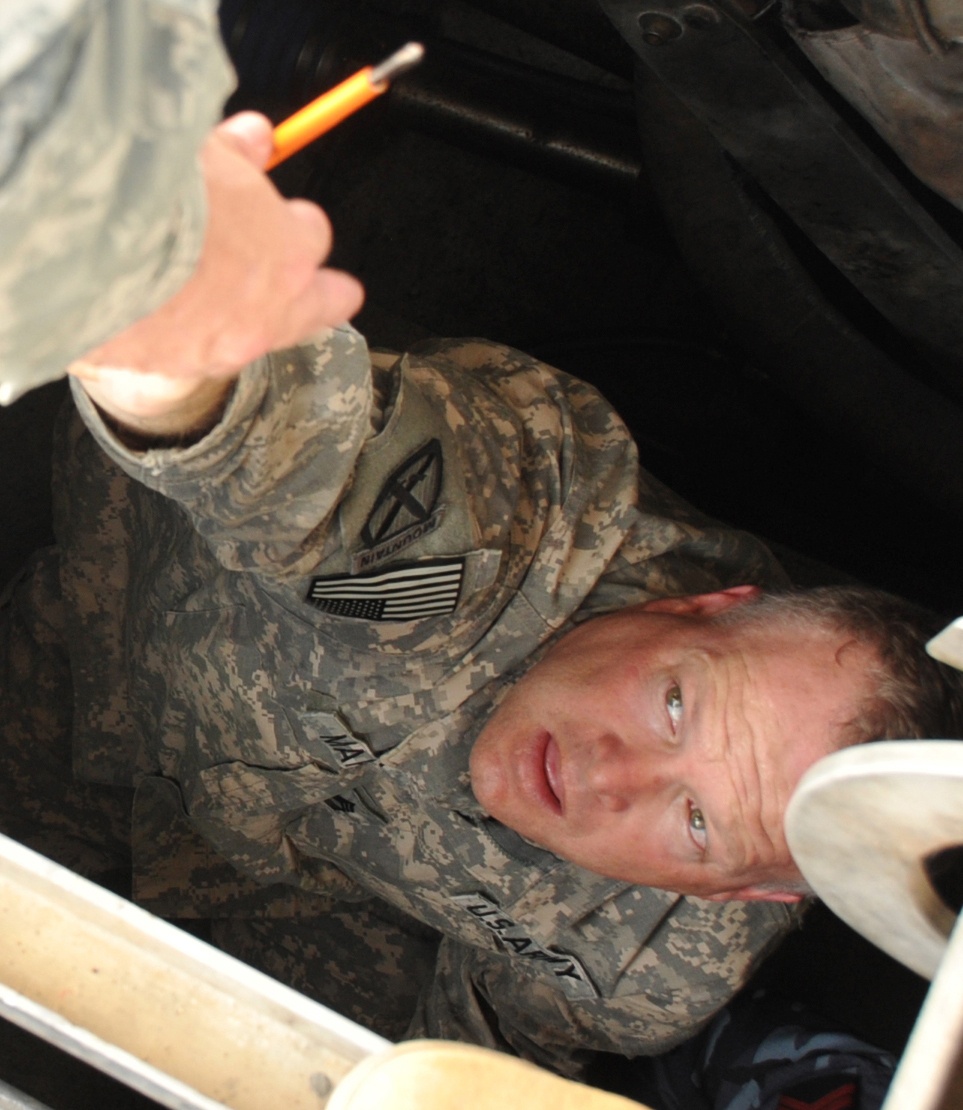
(673, 703)
(697, 828)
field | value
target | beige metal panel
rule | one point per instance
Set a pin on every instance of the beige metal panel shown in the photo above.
(173, 1017)
(930, 1074)
(12, 1099)
(444, 1075)
(859, 825)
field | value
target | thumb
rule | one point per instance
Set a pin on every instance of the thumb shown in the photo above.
(251, 134)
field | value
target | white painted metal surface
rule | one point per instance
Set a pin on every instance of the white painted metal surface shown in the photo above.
(160, 1010)
(12, 1099)
(930, 1075)
(860, 826)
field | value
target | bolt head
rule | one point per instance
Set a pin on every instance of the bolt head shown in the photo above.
(658, 28)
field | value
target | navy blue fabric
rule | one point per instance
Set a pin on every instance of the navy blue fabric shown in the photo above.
(764, 1053)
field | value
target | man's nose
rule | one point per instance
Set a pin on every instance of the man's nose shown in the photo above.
(621, 773)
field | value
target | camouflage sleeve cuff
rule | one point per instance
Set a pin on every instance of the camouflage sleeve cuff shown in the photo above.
(270, 473)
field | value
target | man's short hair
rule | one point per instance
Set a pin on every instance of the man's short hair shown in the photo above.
(915, 696)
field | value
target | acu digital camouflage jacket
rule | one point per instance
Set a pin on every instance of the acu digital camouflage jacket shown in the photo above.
(289, 633)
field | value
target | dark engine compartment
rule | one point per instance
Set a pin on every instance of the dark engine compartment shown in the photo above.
(536, 183)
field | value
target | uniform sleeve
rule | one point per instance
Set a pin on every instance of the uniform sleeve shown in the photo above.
(261, 488)
(103, 105)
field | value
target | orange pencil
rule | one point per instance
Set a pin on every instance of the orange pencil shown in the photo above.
(338, 103)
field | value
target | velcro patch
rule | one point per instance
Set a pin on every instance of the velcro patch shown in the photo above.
(407, 497)
(347, 751)
(406, 592)
(569, 974)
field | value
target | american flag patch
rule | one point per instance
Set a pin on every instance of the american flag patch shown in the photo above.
(404, 593)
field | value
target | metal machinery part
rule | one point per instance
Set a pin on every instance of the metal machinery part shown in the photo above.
(12, 1099)
(864, 825)
(767, 114)
(156, 1008)
(840, 271)
(934, 23)
(546, 121)
(837, 271)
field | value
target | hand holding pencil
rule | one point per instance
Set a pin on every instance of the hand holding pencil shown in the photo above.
(259, 284)
(266, 250)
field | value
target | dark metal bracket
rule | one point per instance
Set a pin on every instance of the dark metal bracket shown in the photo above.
(766, 112)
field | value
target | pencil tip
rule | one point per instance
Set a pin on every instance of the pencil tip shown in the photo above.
(400, 62)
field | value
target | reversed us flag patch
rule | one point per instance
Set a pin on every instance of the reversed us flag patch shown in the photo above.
(409, 592)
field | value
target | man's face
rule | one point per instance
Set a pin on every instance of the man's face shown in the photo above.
(659, 746)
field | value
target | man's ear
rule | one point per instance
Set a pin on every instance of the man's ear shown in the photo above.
(703, 605)
(756, 894)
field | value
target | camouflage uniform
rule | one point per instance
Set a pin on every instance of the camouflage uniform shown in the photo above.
(287, 636)
(103, 105)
